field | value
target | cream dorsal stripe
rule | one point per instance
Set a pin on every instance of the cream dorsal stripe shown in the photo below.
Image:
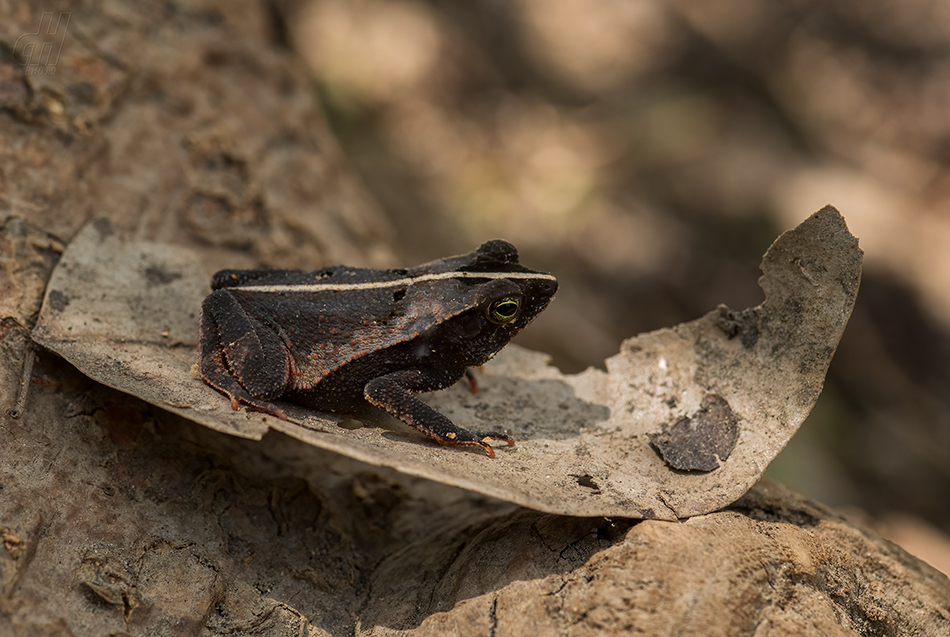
(321, 287)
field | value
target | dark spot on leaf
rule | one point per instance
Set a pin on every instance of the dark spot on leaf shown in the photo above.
(742, 324)
(701, 441)
(58, 300)
(104, 227)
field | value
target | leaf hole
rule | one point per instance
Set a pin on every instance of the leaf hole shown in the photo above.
(586, 481)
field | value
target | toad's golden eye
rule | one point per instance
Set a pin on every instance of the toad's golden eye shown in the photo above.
(504, 310)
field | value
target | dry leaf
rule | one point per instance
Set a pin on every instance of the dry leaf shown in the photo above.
(126, 315)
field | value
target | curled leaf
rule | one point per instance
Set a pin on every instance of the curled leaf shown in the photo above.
(126, 315)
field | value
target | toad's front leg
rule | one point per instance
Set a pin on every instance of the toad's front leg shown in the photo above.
(393, 393)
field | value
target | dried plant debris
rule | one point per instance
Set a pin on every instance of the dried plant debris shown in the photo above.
(700, 442)
(718, 397)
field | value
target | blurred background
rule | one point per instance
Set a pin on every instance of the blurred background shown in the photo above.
(648, 152)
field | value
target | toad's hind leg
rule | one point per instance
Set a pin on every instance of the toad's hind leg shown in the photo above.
(393, 393)
(239, 357)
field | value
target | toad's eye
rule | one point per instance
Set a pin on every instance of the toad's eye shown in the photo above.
(504, 310)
